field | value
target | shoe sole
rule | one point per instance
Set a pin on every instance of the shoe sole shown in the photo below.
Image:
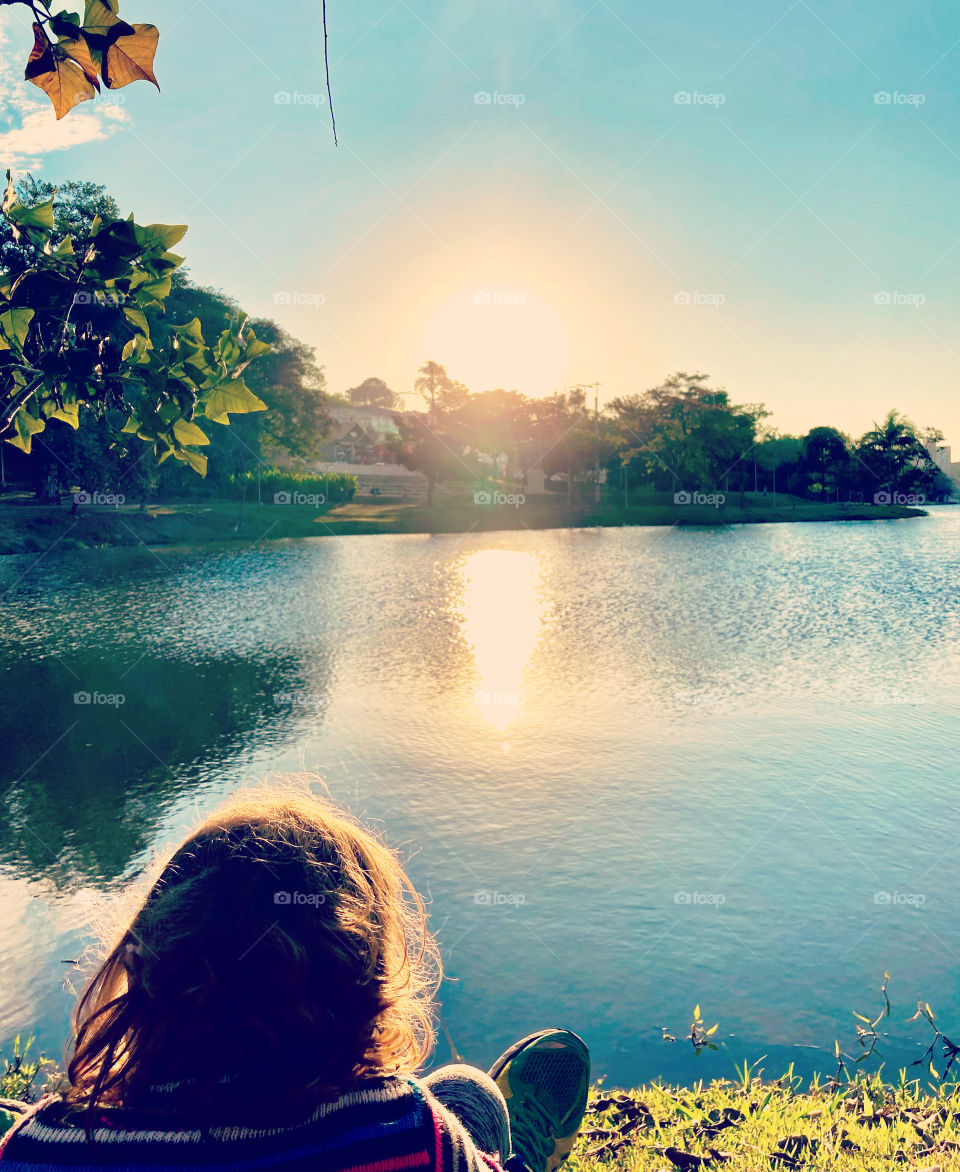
(515, 1049)
(564, 1142)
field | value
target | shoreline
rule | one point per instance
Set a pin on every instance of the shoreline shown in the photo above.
(29, 528)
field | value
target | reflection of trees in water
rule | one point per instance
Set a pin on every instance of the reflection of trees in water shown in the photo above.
(84, 786)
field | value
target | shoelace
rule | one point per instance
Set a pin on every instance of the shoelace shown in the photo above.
(532, 1132)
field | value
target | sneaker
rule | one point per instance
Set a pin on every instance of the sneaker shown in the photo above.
(545, 1079)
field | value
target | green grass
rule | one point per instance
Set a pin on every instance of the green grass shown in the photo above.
(755, 1124)
(736, 1125)
(26, 528)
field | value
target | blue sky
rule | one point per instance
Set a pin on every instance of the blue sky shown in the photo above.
(699, 186)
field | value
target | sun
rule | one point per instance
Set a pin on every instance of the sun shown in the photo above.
(499, 334)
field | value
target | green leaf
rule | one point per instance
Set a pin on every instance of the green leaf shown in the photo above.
(188, 433)
(68, 413)
(14, 325)
(163, 236)
(192, 330)
(254, 347)
(137, 320)
(197, 462)
(64, 24)
(131, 427)
(158, 288)
(27, 427)
(40, 216)
(232, 396)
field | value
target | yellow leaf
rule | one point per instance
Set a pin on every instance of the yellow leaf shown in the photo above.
(63, 81)
(78, 50)
(131, 58)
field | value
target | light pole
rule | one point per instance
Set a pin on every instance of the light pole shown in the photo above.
(596, 433)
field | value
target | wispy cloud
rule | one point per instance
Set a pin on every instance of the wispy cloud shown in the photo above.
(29, 130)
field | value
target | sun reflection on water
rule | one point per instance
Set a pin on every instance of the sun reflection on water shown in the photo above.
(501, 617)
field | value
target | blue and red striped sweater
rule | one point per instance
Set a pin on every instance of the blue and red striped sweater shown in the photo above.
(384, 1125)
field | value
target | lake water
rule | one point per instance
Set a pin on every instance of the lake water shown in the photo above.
(633, 769)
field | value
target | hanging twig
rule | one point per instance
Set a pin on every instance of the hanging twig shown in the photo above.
(326, 67)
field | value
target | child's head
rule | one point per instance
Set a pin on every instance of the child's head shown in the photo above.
(281, 953)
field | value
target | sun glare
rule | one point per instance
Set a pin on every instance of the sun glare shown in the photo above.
(499, 334)
(502, 613)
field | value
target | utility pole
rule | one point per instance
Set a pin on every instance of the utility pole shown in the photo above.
(596, 438)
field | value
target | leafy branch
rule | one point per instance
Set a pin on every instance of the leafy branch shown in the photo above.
(74, 334)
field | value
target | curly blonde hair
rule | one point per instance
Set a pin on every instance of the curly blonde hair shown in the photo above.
(281, 955)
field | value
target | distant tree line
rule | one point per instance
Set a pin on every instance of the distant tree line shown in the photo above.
(682, 434)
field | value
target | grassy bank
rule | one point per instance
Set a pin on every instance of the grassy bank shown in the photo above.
(751, 1123)
(738, 1125)
(26, 528)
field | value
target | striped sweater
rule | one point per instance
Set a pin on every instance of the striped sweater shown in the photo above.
(384, 1125)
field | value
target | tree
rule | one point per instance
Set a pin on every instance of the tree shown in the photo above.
(778, 455)
(825, 459)
(894, 456)
(373, 392)
(287, 378)
(74, 336)
(432, 380)
(492, 422)
(77, 203)
(684, 433)
(566, 435)
(430, 449)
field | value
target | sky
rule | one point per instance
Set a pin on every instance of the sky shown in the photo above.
(556, 192)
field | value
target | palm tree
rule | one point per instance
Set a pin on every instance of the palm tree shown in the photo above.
(891, 447)
(432, 379)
